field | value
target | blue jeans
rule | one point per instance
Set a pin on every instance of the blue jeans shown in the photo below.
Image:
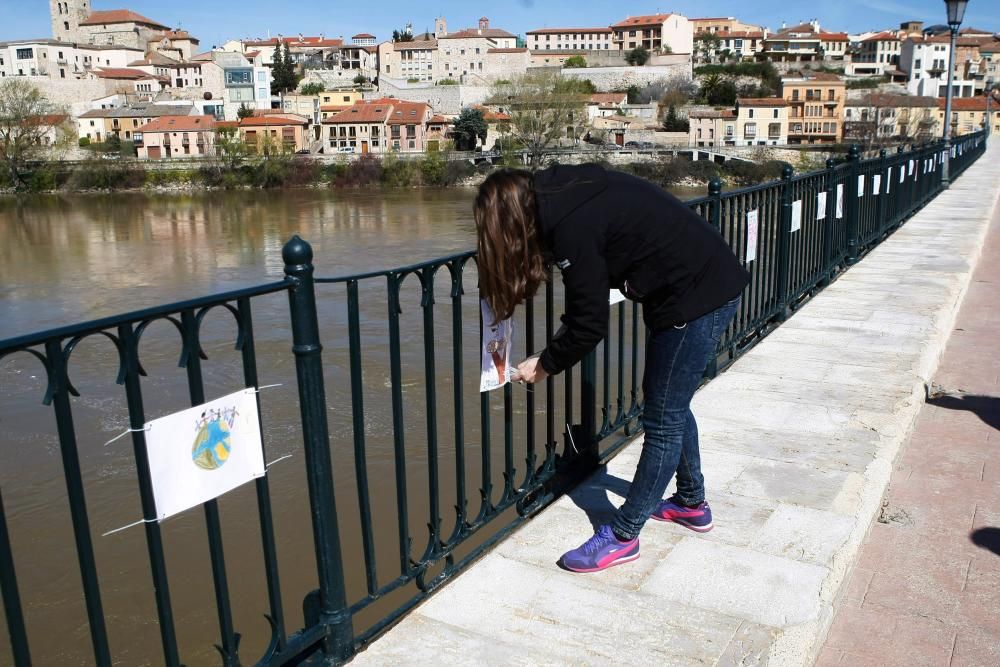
(676, 359)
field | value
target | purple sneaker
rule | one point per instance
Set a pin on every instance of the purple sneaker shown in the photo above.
(599, 552)
(697, 518)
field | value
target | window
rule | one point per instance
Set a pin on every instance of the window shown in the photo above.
(750, 130)
(749, 113)
(774, 130)
(261, 77)
(239, 78)
(25, 54)
(775, 113)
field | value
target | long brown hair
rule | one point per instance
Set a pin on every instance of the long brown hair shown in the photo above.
(511, 261)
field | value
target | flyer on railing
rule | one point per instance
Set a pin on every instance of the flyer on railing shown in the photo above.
(495, 350)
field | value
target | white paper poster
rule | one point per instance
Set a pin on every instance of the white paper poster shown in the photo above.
(200, 453)
(888, 180)
(902, 173)
(753, 232)
(877, 184)
(861, 185)
(796, 215)
(495, 350)
(840, 200)
(960, 149)
(910, 172)
(615, 296)
(821, 206)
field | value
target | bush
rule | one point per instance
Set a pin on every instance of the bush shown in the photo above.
(360, 79)
(433, 170)
(412, 80)
(303, 171)
(312, 89)
(447, 82)
(365, 171)
(750, 173)
(398, 173)
(84, 142)
(575, 61)
(870, 82)
(42, 179)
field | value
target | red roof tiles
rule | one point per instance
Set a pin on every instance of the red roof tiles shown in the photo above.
(570, 31)
(122, 73)
(638, 21)
(120, 16)
(179, 124)
(761, 102)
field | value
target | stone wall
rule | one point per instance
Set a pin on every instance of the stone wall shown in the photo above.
(619, 78)
(443, 99)
(73, 95)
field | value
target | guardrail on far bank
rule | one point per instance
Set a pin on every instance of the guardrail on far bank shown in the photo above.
(458, 471)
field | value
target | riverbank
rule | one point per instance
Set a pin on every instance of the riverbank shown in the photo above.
(433, 170)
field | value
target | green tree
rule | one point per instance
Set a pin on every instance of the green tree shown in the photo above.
(360, 79)
(245, 111)
(546, 110)
(230, 148)
(469, 128)
(27, 123)
(284, 78)
(671, 123)
(312, 89)
(637, 56)
(575, 61)
(402, 36)
(634, 93)
(723, 95)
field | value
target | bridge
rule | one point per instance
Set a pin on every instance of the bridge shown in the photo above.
(856, 269)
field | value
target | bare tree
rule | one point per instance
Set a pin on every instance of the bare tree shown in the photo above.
(545, 111)
(30, 127)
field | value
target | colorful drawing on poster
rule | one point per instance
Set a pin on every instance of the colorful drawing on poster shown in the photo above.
(495, 350)
(753, 233)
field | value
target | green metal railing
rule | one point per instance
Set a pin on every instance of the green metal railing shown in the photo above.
(802, 244)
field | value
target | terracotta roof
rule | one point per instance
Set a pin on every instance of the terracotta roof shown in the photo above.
(404, 113)
(368, 111)
(802, 27)
(974, 31)
(516, 50)
(761, 102)
(122, 73)
(47, 119)
(363, 35)
(202, 57)
(738, 33)
(222, 124)
(179, 124)
(833, 36)
(438, 118)
(252, 54)
(489, 115)
(414, 45)
(889, 100)
(154, 58)
(608, 98)
(571, 31)
(938, 39)
(470, 33)
(647, 20)
(180, 34)
(969, 104)
(713, 113)
(273, 119)
(334, 107)
(883, 36)
(120, 16)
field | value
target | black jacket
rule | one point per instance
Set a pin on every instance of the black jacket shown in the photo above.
(606, 229)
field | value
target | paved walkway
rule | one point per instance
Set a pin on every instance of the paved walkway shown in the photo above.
(799, 440)
(926, 588)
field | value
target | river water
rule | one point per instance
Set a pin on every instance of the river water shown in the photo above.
(66, 259)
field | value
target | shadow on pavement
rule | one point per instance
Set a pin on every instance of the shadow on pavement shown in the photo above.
(987, 538)
(986, 408)
(592, 496)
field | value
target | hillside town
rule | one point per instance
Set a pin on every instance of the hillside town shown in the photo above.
(113, 80)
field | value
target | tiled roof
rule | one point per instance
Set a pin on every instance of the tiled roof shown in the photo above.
(122, 73)
(363, 35)
(802, 27)
(608, 98)
(295, 41)
(883, 36)
(969, 103)
(570, 31)
(647, 20)
(368, 111)
(438, 119)
(404, 113)
(713, 113)
(888, 100)
(179, 124)
(515, 50)
(120, 16)
(180, 34)
(938, 39)
(221, 124)
(334, 107)
(470, 33)
(415, 45)
(974, 31)
(558, 52)
(833, 36)
(761, 102)
(155, 58)
(274, 119)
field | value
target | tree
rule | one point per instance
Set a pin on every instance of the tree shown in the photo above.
(28, 122)
(229, 147)
(360, 79)
(545, 110)
(724, 94)
(638, 56)
(283, 76)
(403, 35)
(575, 61)
(312, 89)
(245, 111)
(468, 128)
(674, 124)
(705, 46)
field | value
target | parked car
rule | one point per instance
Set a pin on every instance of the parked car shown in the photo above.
(346, 149)
(303, 151)
(639, 145)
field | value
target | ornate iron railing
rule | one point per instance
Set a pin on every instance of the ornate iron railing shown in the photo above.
(549, 437)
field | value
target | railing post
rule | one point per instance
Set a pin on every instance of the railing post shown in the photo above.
(332, 603)
(851, 208)
(715, 203)
(784, 242)
(588, 449)
(897, 187)
(883, 224)
(828, 222)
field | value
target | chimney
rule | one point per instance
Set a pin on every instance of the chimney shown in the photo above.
(484, 24)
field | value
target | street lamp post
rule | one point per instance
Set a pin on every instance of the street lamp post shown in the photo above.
(956, 12)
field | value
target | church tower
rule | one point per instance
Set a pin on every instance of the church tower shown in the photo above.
(66, 18)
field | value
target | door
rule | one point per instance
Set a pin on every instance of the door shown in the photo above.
(620, 138)
(364, 147)
(154, 152)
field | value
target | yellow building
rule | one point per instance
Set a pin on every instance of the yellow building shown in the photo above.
(968, 114)
(817, 107)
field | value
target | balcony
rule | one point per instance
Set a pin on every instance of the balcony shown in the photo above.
(831, 103)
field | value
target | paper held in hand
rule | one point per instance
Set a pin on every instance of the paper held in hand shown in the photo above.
(495, 350)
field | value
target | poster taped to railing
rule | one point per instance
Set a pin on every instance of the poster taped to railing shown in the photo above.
(796, 215)
(877, 184)
(495, 350)
(861, 185)
(910, 172)
(821, 206)
(615, 296)
(902, 173)
(840, 200)
(753, 232)
(200, 453)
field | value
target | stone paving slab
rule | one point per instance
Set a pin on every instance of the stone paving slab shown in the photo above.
(799, 439)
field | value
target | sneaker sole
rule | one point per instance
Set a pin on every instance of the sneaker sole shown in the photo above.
(599, 569)
(682, 522)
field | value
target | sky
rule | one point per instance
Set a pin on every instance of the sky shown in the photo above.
(220, 20)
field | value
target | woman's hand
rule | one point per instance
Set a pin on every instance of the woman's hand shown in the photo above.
(530, 371)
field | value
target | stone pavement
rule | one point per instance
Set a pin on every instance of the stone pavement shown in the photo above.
(799, 440)
(926, 587)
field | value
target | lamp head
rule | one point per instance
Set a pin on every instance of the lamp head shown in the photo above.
(956, 11)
